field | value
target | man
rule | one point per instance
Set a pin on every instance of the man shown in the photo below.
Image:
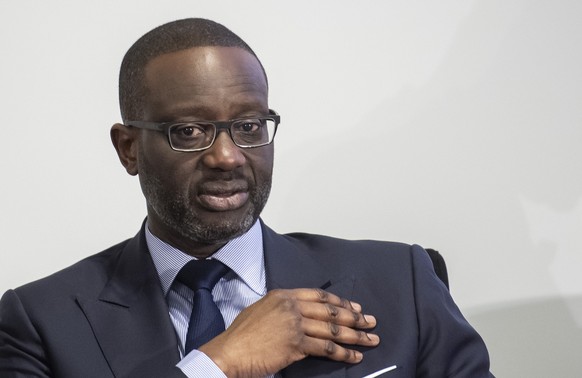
(198, 132)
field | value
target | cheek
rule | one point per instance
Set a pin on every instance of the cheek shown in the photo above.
(178, 176)
(262, 170)
(261, 160)
(168, 170)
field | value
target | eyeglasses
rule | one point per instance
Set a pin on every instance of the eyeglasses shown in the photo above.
(200, 135)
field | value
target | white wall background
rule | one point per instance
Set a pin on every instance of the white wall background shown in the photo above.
(454, 124)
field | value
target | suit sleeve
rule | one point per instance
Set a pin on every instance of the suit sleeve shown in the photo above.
(448, 345)
(21, 351)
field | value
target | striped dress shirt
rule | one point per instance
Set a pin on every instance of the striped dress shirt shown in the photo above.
(242, 286)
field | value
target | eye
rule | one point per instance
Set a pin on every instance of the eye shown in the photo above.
(249, 126)
(187, 130)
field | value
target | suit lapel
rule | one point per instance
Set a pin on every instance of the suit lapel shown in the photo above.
(130, 318)
(289, 265)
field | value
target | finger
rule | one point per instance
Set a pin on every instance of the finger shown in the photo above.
(339, 334)
(338, 315)
(356, 306)
(322, 296)
(329, 349)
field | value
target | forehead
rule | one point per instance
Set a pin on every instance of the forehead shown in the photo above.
(215, 79)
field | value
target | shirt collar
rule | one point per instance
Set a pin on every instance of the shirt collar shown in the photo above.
(243, 254)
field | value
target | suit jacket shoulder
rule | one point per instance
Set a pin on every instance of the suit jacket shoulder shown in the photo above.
(96, 269)
(104, 316)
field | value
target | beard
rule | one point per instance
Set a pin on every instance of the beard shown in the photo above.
(178, 212)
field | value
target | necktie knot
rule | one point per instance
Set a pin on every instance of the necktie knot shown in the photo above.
(202, 274)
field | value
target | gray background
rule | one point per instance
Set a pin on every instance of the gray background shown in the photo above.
(452, 124)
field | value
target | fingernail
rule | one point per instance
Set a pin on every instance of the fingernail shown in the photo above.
(356, 306)
(373, 337)
(359, 356)
(370, 319)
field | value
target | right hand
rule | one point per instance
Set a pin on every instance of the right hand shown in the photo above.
(286, 326)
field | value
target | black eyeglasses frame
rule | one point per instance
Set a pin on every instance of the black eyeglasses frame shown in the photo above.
(165, 127)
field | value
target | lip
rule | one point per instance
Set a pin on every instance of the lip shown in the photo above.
(224, 202)
(217, 196)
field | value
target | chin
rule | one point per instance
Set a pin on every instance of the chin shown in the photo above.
(222, 228)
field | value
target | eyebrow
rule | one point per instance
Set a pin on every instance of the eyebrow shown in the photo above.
(202, 112)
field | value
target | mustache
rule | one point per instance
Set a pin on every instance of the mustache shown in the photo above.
(218, 175)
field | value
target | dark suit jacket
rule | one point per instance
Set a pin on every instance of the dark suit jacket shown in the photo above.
(106, 315)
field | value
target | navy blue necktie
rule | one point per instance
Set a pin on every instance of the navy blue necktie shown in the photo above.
(206, 321)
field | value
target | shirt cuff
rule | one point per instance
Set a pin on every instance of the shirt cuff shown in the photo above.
(198, 365)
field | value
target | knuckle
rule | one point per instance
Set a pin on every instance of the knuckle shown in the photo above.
(274, 292)
(332, 311)
(275, 295)
(284, 301)
(348, 354)
(322, 295)
(334, 329)
(345, 303)
(297, 343)
(330, 347)
(362, 336)
(296, 320)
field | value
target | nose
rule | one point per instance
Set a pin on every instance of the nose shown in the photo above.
(223, 154)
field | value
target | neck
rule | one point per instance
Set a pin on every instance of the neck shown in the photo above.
(191, 247)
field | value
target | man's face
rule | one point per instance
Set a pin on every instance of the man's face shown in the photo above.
(210, 196)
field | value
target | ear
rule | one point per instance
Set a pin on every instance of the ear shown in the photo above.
(125, 141)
